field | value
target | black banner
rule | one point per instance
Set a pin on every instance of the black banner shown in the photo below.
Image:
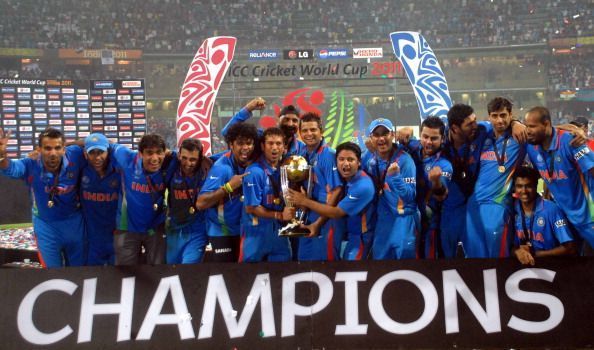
(419, 304)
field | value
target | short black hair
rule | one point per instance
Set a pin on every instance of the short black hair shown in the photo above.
(527, 173)
(241, 131)
(458, 113)
(273, 131)
(542, 112)
(191, 145)
(499, 103)
(151, 141)
(51, 133)
(349, 146)
(311, 117)
(432, 122)
(290, 109)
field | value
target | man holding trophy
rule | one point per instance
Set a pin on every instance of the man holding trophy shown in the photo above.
(264, 205)
(357, 205)
(325, 238)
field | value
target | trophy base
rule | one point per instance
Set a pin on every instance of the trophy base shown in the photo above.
(292, 229)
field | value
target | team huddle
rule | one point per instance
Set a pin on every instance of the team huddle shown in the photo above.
(466, 188)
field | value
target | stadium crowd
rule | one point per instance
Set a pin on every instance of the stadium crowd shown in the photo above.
(182, 25)
(393, 197)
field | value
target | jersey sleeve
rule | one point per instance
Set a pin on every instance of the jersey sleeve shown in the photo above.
(446, 173)
(17, 168)
(405, 183)
(239, 117)
(254, 187)
(583, 156)
(122, 155)
(357, 198)
(218, 175)
(486, 126)
(330, 171)
(560, 229)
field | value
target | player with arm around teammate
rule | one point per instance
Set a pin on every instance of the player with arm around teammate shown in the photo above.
(52, 180)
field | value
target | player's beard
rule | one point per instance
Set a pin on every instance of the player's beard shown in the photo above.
(289, 131)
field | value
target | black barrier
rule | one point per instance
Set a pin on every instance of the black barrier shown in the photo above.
(420, 304)
(15, 206)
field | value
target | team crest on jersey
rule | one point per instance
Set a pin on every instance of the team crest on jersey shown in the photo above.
(558, 159)
(539, 158)
(85, 180)
(70, 175)
(487, 142)
(427, 168)
(540, 222)
(115, 183)
(177, 181)
(472, 147)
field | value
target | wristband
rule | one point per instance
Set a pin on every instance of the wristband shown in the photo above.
(227, 187)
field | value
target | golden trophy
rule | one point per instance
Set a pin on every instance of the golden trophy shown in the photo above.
(295, 173)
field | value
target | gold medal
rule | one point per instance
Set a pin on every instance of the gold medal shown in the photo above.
(241, 198)
(155, 207)
(277, 201)
(463, 174)
(381, 191)
(501, 169)
(50, 204)
(192, 210)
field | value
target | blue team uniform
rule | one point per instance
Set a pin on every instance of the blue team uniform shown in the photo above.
(565, 170)
(259, 237)
(436, 244)
(185, 225)
(488, 217)
(359, 204)
(398, 222)
(224, 218)
(140, 192)
(433, 243)
(547, 227)
(465, 162)
(99, 198)
(59, 230)
(327, 245)
(297, 147)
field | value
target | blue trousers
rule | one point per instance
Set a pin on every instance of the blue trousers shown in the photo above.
(61, 242)
(185, 245)
(397, 240)
(262, 243)
(488, 230)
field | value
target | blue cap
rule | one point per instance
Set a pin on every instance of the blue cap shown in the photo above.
(380, 122)
(96, 141)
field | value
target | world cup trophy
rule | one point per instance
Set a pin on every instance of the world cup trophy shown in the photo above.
(295, 172)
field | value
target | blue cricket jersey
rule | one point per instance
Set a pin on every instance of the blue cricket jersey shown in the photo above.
(398, 191)
(261, 187)
(428, 204)
(99, 198)
(140, 192)
(181, 199)
(358, 202)
(565, 170)
(492, 185)
(225, 217)
(547, 227)
(465, 163)
(325, 175)
(45, 186)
